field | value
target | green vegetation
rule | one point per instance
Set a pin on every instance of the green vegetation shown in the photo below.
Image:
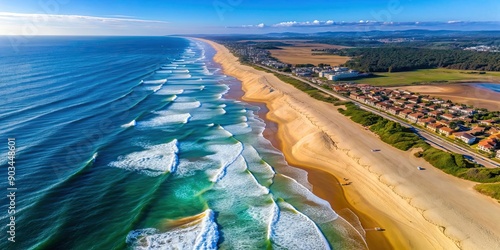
(404, 138)
(427, 76)
(311, 91)
(404, 59)
(390, 132)
(490, 189)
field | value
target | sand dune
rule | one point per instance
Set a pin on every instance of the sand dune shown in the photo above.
(419, 209)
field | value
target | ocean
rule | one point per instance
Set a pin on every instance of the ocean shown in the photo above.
(138, 143)
(489, 86)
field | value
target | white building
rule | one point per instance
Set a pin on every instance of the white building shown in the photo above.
(342, 75)
(467, 138)
(326, 73)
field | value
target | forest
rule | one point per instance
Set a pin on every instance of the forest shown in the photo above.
(405, 59)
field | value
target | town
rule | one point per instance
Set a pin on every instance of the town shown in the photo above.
(477, 128)
(471, 127)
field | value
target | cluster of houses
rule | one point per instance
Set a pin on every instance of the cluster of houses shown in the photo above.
(257, 55)
(484, 48)
(252, 54)
(436, 115)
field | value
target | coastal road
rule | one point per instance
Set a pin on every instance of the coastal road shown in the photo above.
(429, 137)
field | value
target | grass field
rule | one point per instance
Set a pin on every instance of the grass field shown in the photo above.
(428, 76)
(301, 53)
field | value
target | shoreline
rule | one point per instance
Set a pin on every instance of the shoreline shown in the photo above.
(325, 184)
(317, 177)
(419, 209)
(466, 93)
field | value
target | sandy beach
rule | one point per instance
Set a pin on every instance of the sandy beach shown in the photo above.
(419, 209)
(461, 93)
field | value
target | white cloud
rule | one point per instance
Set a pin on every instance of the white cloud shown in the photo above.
(285, 24)
(365, 23)
(302, 24)
(50, 24)
(118, 18)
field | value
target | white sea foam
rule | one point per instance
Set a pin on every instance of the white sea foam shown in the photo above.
(180, 76)
(164, 71)
(153, 160)
(207, 114)
(168, 67)
(157, 88)
(160, 81)
(294, 230)
(202, 235)
(262, 171)
(94, 156)
(180, 71)
(315, 208)
(165, 118)
(170, 91)
(130, 124)
(184, 105)
(239, 128)
(241, 200)
(225, 155)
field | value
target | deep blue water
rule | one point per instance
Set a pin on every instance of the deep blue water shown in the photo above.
(132, 142)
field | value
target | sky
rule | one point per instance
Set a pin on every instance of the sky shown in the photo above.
(165, 17)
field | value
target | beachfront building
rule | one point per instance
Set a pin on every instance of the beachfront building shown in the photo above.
(466, 137)
(404, 113)
(413, 117)
(434, 127)
(341, 75)
(394, 110)
(446, 131)
(487, 145)
(326, 73)
(487, 122)
(413, 100)
(400, 102)
(435, 113)
(425, 121)
(448, 117)
(477, 130)
(468, 111)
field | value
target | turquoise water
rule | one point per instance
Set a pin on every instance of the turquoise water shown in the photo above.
(136, 143)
